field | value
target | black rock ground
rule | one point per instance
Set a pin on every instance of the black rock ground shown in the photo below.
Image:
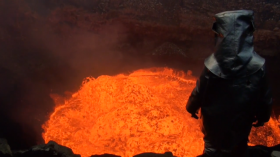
(52, 149)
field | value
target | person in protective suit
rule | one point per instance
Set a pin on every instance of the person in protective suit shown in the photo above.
(232, 92)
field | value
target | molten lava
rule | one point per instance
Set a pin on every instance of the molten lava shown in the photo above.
(131, 114)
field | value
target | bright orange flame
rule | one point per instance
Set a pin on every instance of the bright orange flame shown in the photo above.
(129, 114)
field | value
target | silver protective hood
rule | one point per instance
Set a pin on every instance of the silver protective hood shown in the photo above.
(235, 55)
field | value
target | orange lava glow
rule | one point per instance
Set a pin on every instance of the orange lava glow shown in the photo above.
(130, 114)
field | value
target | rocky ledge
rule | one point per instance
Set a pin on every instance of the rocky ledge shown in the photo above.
(52, 149)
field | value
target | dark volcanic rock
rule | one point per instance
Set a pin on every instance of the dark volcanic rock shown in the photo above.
(184, 20)
(168, 49)
(105, 155)
(51, 149)
(166, 154)
(162, 20)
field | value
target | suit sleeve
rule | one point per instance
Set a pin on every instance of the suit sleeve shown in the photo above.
(265, 104)
(196, 97)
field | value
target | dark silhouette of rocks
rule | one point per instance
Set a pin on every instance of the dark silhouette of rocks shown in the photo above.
(105, 155)
(166, 154)
(51, 149)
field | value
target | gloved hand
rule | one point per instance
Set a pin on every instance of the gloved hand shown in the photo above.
(194, 116)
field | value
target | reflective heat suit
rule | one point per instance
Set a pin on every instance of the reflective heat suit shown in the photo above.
(232, 91)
